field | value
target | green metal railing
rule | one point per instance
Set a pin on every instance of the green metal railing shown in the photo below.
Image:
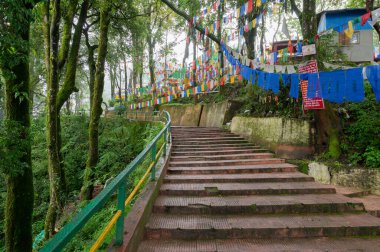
(59, 241)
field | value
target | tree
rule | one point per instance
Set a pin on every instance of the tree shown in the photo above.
(96, 110)
(327, 121)
(56, 59)
(15, 147)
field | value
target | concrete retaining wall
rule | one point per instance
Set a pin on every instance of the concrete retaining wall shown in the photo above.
(183, 115)
(206, 115)
(288, 138)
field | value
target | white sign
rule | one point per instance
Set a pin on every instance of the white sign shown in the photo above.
(309, 50)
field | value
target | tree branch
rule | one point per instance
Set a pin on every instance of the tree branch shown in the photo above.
(295, 8)
(190, 20)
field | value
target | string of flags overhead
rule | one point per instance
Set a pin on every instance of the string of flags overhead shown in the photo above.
(336, 86)
(346, 85)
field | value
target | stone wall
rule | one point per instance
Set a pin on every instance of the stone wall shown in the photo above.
(359, 178)
(213, 114)
(203, 115)
(288, 138)
(183, 114)
(365, 179)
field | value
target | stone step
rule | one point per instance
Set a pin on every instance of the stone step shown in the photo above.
(226, 162)
(268, 204)
(214, 148)
(217, 152)
(203, 135)
(209, 130)
(211, 142)
(314, 244)
(215, 138)
(237, 169)
(241, 178)
(222, 189)
(213, 145)
(201, 157)
(192, 227)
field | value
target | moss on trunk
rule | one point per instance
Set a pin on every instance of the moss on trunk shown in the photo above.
(19, 178)
(96, 110)
(54, 166)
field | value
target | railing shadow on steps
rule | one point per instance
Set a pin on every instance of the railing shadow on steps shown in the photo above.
(63, 237)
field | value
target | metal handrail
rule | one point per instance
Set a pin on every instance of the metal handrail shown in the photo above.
(58, 242)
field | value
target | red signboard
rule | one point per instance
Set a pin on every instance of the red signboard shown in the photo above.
(309, 103)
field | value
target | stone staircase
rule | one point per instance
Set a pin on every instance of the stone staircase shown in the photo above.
(222, 193)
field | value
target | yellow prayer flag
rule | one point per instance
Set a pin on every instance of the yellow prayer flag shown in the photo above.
(203, 88)
(232, 79)
(254, 23)
(350, 31)
(258, 3)
(238, 13)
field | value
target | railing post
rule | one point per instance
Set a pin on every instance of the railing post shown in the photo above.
(153, 172)
(165, 140)
(121, 207)
(169, 132)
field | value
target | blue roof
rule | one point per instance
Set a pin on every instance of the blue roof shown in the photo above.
(334, 18)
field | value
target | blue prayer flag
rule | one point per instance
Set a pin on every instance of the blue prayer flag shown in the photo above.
(295, 86)
(354, 91)
(333, 85)
(373, 75)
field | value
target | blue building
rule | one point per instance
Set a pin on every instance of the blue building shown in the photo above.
(360, 47)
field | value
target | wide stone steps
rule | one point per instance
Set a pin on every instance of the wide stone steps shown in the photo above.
(311, 244)
(221, 157)
(192, 227)
(241, 178)
(222, 189)
(216, 152)
(268, 204)
(236, 169)
(222, 193)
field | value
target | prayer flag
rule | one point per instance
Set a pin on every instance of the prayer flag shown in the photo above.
(350, 31)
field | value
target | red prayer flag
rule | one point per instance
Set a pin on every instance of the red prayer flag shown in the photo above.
(290, 47)
(365, 18)
(250, 5)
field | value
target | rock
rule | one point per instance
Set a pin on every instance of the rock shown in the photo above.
(320, 172)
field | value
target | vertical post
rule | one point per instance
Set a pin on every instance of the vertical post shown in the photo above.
(169, 132)
(120, 206)
(165, 140)
(153, 172)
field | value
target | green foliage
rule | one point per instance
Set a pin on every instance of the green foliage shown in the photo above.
(360, 142)
(13, 147)
(372, 157)
(119, 142)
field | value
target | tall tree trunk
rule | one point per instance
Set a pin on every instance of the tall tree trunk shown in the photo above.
(327, 120)
(68, 86)
(120, 84)
(194, 72)
(96, 110)
(54, 166)
(19, 183)
(219, 34)
(66, 32)
(125, 78)
(91, 65)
